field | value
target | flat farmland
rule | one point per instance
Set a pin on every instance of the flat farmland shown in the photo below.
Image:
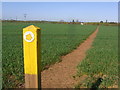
(56, 40)
(101, 62)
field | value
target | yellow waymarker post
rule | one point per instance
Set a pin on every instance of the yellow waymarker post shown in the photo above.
(31, 45)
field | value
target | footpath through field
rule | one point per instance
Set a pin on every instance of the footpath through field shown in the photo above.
(60, 75)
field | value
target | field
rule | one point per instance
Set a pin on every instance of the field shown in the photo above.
(56, 40)
(101, 62)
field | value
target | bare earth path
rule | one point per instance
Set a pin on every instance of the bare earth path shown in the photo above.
(60, 75)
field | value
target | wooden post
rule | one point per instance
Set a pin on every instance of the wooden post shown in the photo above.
(31, 45)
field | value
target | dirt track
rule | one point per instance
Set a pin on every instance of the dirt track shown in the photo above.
(60, 75)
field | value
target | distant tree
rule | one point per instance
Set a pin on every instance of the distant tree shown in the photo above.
(101, 21)
(77, 20)
(112, 22)
(61, 20)
(73, 21)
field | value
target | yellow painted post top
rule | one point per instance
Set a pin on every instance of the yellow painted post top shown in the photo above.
(31, 27)
(31, 45)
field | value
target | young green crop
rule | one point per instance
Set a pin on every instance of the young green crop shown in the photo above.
(56, 40)
(101, 62)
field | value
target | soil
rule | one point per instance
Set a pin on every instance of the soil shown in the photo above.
(61, 75)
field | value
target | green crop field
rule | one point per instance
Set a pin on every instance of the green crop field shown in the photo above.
(101, 62)
(56, 40)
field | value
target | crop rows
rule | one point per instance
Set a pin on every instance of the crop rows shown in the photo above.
(101, 62)
(56, 40)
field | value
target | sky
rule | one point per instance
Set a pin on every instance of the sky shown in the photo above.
(56, 11)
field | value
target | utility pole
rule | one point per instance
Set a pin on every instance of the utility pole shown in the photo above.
(16, 18)
(106, 21)
(25, 16)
